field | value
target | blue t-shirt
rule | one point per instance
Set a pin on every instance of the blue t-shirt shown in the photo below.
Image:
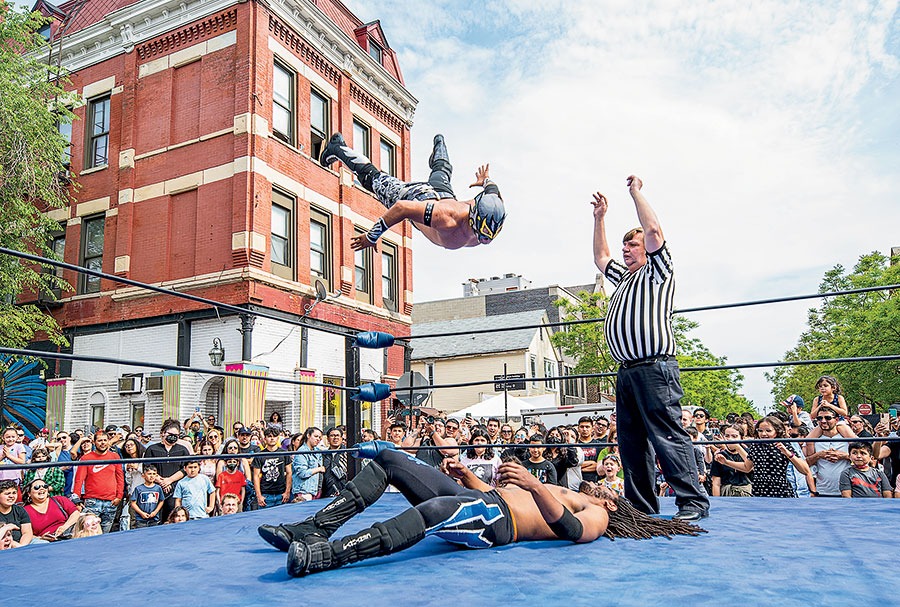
(69, 475)
(148, 498)
(193, 493)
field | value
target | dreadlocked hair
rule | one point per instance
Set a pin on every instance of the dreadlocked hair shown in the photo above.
(628, 521)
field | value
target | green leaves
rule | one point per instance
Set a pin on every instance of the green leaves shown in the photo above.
(863, 324)
(31, 157)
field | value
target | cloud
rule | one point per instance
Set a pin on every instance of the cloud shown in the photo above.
(766, 134)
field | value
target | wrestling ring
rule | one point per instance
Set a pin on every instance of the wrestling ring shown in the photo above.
(758, 551)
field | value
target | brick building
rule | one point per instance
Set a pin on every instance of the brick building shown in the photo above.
(198, 128)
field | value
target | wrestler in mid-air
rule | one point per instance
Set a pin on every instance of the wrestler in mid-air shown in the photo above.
(473, 515)
(431, 206)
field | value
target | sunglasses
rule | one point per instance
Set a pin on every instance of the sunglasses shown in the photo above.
(822, 418)
(38, 487)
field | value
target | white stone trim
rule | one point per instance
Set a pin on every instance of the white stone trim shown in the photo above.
(251, 240)
(95, 89)
(188, 55)
(89, 207)
(122, 263)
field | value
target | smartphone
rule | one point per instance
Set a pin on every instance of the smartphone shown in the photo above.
(892, 412)
(886, 419)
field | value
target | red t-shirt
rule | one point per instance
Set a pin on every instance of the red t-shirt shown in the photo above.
(102, 481)
(51, 520)
(231, 482)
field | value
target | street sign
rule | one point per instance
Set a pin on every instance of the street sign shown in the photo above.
(419, 392)
(864, 409)
(510, 381)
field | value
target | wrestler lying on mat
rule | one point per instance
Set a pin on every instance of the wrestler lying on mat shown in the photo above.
(472, 515)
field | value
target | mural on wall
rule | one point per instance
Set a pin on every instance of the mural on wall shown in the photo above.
(23, 394)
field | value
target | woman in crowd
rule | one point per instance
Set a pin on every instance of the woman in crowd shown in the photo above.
(51, 516)
(178, 515)
(861, 426)
(482, 461)
(87, 525)
(275, 420)
(131, 449)
(829, 394)
(307, 468)
(562, 457)
(84, 446)
(214, 438)
(208, 466)
(55, 478)
(769, 461)
(728, 481)
(232, 446)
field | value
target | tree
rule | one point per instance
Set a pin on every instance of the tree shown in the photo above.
(717, 391)
(850, 326)
(31, 154)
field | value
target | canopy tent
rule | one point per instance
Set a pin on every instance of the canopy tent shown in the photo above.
(493, 407)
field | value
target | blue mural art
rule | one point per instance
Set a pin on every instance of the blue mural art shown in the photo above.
(23, 394)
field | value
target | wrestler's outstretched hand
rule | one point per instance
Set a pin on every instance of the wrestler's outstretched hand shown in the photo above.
(481, 175)
(634, 182)
(511, 473)
(454, 469)
(358, 243)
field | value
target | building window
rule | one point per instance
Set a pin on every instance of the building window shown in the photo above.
(363, 263)
(375, 51)
(429, 373)
(65, 129)
(389, 276)
(319, 122)
(137, 414)
(532, 359)
(282, 247)
(361, 138)
(58, 247)
(283, 103)
(549, 371)
(97, 402)
(97, 133)
(388, 157)
(332, 402)
(91, 252)
(320, 246)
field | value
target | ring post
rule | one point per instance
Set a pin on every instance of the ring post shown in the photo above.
(352, 407)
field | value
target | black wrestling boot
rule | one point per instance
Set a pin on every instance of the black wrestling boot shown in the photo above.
(337, 149)
(439, 153)
(398, 533)
(360, 493)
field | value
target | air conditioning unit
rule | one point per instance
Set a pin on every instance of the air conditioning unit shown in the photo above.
(129, 384)
(154, 384)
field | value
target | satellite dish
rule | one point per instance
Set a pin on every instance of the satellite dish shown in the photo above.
(321, 291)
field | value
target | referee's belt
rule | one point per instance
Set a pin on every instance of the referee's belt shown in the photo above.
(662, 358)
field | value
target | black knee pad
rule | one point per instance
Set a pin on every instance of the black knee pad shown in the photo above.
(402, 531)
(369, 484)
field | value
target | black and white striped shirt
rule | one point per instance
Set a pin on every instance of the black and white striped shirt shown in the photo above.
(639, 319)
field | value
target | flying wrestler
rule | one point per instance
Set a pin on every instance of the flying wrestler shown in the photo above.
(472, 515)
(431, 206)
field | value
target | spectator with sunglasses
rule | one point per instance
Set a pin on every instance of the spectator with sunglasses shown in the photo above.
(828, 460)
(51, 516)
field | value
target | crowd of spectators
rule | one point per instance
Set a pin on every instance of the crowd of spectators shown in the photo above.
(264, 465)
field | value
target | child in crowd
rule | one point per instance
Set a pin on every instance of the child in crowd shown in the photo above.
(482, 461)
(87, 525)
(539, 467)
(195, 492)
(829, 394)
(231, 480)
(611, 480)
(178, 515)
(861, 479)
(147, 499)
(727, 481)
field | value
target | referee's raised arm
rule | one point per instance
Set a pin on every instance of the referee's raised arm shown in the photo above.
(653, 236)
(602, 254)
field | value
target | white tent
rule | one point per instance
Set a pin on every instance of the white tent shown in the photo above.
(493, 407)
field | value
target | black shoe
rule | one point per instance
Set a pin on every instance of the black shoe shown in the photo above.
(690, 516)
(439, 151)
(278, 537)
(330, 152)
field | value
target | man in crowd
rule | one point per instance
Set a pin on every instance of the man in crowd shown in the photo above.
(335, 477)
(169, 473)
(102, 485)
(470, 514)
(586, 436)
(429, 434)
(493, 429)
(641, 340)
(271, 474)
(430, 206)
(829, 458)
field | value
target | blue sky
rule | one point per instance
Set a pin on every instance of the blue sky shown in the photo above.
(767, 135)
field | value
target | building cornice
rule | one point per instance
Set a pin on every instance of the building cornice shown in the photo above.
(120, 31)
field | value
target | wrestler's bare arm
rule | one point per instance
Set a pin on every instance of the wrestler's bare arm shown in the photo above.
(459, 472)
(594, 518)
(414, 210)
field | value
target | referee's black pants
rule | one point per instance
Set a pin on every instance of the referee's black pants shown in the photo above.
(648, 420)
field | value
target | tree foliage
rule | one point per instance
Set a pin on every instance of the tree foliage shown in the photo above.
(850, 326)
(31, 153)
(717, 391)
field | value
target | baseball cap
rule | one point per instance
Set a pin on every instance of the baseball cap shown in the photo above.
(793, 399)
(245, 430)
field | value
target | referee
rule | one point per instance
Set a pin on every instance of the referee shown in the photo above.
(638, 330)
